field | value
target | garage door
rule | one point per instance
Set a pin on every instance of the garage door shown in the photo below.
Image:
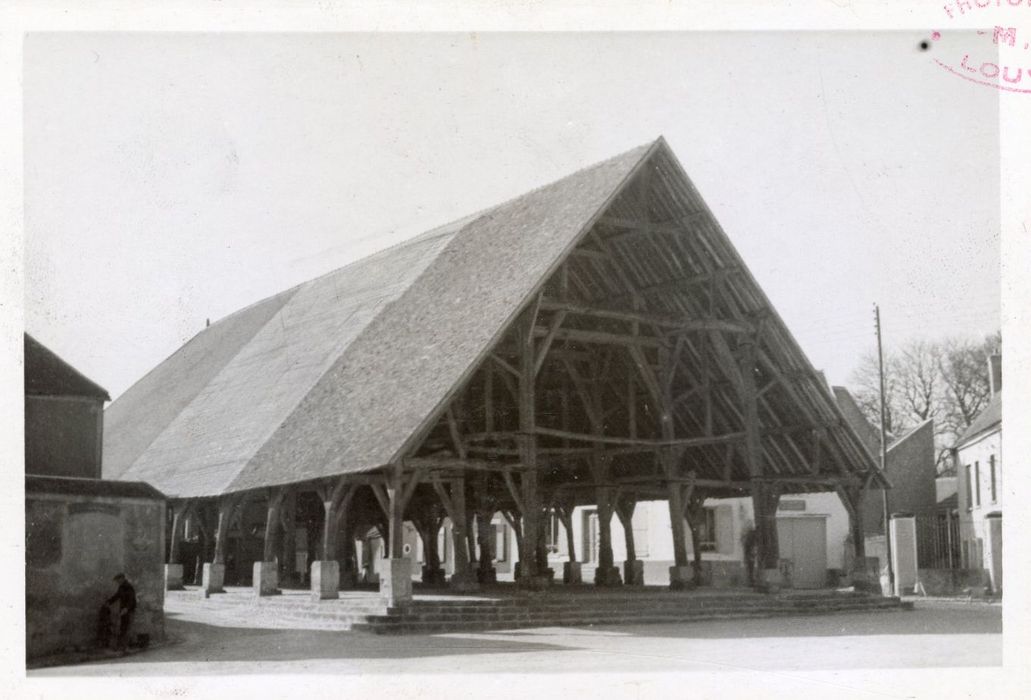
(804, 542)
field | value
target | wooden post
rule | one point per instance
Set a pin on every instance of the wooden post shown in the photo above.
(625, 507)
(226, 507)
(470, 537)
(676, 517)
(395, 527)
(335, 498)
(765, 496)
(695, 509)
(454, 504)
(852, 498)
(765, 499)
(605, 558)
(275, 503)
(528, 441)
(180, 512)
(458, 525)
(288, 521)
(565, 516)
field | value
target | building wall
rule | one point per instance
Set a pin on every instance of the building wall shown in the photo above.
(911, 471)
(63, 436)
(974, 463)
(74, 545)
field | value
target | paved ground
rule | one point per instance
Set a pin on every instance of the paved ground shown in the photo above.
(935, 634)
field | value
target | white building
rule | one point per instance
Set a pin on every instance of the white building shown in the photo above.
(978, 459)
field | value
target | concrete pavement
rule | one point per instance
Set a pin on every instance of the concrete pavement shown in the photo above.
(933, 635)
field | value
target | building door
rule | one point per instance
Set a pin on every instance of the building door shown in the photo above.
(590, 530)
(804, 542)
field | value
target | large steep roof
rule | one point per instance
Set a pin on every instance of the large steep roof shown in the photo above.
(344, 373)
(335, 375)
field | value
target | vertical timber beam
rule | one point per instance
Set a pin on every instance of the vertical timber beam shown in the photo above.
(265, 576)
(395, 583)
(174, 568)
(180, 512)
(528, 440)
(275, 504)
(213, 578)
(633, 570)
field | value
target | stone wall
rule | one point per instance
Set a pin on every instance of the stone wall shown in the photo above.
(79, 533)
(952, 581)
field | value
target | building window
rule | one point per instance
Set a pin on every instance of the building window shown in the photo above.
(501, 542)
(969, 486)
(991, 463)
(707, 533)
(977, 482)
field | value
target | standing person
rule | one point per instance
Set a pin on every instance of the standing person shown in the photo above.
(125, 596)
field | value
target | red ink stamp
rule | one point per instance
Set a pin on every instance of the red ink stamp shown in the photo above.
(1001, 60)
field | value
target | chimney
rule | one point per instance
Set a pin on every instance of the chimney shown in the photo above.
(207, 322)
(995, 374)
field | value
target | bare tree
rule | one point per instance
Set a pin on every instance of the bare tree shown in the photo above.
(946, 380)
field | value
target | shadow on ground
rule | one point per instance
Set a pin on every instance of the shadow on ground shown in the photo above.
(201, 642)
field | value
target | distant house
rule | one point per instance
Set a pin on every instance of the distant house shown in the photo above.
(978, 459)
(64, 416)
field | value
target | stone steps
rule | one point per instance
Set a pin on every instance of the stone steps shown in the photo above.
(459, 613)
(441, 620)
(405, 625)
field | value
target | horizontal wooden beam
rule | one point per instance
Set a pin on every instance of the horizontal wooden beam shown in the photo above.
(642, 442)
(451, 463)
(599, 337)
(678, 283)
(672, 322)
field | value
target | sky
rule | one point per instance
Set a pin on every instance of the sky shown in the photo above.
(171, 179)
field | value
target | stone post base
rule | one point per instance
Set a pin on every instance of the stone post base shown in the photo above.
(571, 572)
(489, 575)
(266, 578)
(213, 577)
(395, 581)
(433, 577)
(787, 573)
(463, 581)
(607, 576)
(348, 579)
(325, 580)
(769, 581)
(173, 577)
(633, 572)
(681, 577)
(865, 577)
(534, 583)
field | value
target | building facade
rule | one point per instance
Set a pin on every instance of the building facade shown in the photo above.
(978, 459)
(64, 416)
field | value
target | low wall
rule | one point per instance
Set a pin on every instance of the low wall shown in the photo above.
(952, 581)
(79, 533)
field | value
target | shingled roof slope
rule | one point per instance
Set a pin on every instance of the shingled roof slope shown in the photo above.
(46, 374)
(986, 420)
(338, 374)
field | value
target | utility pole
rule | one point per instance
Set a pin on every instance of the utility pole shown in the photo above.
(884, 448)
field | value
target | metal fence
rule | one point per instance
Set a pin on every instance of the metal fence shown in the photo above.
(937, 541)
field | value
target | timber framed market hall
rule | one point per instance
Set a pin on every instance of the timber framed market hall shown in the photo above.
(595, 341)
